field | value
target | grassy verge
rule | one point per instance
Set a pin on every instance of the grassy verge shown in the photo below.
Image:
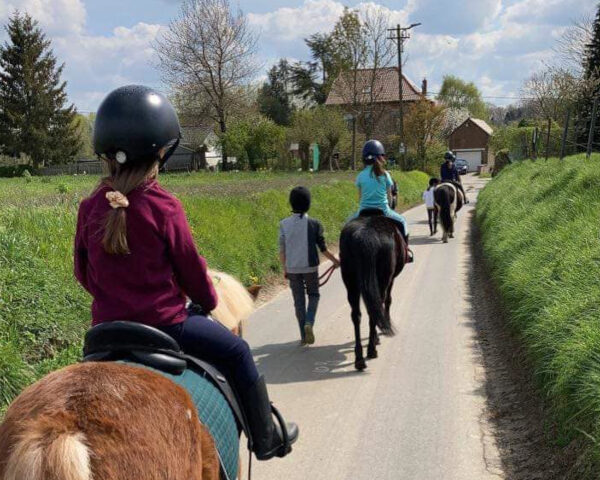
(541, 231)
(234, 218)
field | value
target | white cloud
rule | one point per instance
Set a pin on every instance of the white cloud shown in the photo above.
(287, 24)
(292, 24)
(547, 12)
(54, 16)
(446, 16)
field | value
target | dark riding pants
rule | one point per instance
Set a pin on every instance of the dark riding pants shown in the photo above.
(208, 340)
(432, 219)
(302, 285)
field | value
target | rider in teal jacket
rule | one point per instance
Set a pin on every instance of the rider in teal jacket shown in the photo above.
(375, 184)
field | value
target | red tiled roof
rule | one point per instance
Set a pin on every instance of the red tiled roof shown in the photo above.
(385, 87)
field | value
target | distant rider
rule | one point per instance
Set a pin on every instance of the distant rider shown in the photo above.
(449, 173)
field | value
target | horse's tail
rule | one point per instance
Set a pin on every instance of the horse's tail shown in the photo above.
(42, 452)
(442, 198)
(369, 286)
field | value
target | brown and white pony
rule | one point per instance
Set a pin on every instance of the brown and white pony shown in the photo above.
(110, 421)
(448, 200)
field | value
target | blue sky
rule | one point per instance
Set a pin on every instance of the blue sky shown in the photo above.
(494, 43)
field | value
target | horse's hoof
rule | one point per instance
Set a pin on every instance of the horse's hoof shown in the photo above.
(360, 365)
(377, 340)
(445, 240)
(372, 354)
(451, 235)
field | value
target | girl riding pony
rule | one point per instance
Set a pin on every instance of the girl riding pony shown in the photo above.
(135, 255)
(375, 185)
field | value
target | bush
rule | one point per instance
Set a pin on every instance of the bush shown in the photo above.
(501, 160)
(13, 171)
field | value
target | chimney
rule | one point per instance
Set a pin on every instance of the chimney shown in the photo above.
(424, 87)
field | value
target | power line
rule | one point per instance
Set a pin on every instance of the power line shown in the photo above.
(505, 97)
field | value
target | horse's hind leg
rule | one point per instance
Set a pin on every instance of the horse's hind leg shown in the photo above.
(373, 337)
(354, 300)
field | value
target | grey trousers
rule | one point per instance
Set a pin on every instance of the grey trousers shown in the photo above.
(303, 285)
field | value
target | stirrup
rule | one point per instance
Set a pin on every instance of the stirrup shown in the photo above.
(410, 256)
(286, 447)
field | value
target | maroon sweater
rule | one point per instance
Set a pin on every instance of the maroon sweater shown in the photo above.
(147, 285)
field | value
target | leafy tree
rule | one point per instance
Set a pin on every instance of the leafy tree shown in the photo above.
(321, 125)
(423, 126)
(456, 93)
(273, 98)
(84, 125)
(253, 141)
(34, 118)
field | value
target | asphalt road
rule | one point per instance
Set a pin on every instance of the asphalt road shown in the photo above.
(418, 411)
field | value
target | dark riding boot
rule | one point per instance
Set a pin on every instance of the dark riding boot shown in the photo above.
(270, 438)
(410, 255)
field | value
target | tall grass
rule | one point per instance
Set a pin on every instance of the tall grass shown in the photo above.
(234, 219)
(540, 223)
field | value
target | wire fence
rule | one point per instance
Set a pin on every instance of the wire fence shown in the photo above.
(180, 161)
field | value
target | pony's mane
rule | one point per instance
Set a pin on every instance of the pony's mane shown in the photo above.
(235, 303)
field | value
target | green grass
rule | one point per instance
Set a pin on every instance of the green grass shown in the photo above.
(234, 219)
(540, 224)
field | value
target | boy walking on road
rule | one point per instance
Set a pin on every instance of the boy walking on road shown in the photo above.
(299, 239)
(430, 204)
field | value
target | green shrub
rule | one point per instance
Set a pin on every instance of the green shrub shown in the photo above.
(540, 233)
(13, 171)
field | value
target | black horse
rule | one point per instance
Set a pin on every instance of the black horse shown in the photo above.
(449, 200)
(372, 253)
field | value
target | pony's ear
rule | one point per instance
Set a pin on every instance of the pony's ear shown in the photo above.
(254, 290)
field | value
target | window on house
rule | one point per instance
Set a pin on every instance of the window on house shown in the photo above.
(367, 90)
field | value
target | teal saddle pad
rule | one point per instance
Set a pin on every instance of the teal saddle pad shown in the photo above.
(215, 414)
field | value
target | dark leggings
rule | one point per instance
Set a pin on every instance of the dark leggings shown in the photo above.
(208, 340)
(432, 218)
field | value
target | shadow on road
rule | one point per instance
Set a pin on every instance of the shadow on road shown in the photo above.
(515, 409)
(291, 363)
(425, 240)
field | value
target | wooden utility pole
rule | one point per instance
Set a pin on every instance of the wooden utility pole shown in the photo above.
(548, 138)
(564, 136)
(592, 127)
(398, 35)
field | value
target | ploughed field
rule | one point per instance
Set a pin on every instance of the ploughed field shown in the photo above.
(234, 218)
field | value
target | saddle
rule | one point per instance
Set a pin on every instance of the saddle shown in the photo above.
(400, 234)
(147, 346)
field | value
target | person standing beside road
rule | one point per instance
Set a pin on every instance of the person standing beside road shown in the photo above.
(449, 173)
(430, 204)
(300, 239)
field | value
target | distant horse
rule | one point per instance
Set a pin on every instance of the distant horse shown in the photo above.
(372, 253)
(449, 200)
(109, 421)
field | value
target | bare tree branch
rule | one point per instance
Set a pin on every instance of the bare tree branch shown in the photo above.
(206, 55)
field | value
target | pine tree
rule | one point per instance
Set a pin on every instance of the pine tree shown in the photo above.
(273, 98)
(592, 51)
(34, 118)
(591, 64)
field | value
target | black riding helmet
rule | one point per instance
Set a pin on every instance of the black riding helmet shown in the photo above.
(449, 156)
(300, 199)
(133, 123)
(371, 150)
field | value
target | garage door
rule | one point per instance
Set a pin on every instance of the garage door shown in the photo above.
(472, 157)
